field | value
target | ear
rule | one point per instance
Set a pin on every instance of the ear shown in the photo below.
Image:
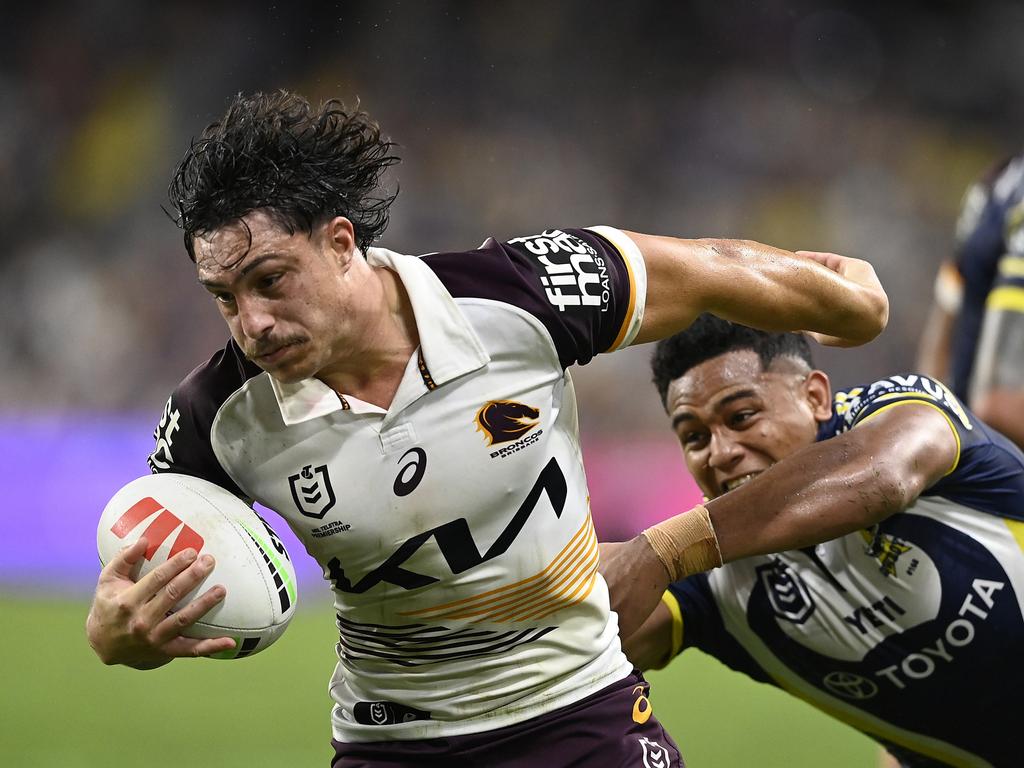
(340, 240)
(818, 391)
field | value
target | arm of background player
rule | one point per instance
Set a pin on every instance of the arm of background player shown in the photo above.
(934, 348)
(837, 298)
(997, 391)
(823, 491)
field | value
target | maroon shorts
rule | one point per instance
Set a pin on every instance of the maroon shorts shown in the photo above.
(613, 728)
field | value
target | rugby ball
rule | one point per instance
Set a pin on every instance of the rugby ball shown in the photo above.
(175, 512)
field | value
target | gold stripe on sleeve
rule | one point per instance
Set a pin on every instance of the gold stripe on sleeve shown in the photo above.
(1011, 266)
(1009, 297)
(636, 274)
(1017, 529)
(628, 319)
(672, 604)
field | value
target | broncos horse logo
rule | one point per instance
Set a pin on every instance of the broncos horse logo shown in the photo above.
(506, 420)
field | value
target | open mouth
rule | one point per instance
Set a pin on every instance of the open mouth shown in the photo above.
(736, 482)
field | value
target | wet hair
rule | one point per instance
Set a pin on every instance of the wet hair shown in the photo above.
(709, 337)
(302, 165)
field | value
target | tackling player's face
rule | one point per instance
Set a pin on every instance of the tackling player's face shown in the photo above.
(734, 420)
(291, 300)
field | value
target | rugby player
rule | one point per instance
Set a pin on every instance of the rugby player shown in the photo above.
(975, 329)
(412, 420)
(908, 616)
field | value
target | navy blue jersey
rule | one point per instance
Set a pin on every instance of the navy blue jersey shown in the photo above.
(990, 244)
(909, 630)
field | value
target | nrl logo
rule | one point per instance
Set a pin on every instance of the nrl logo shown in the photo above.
(503, 421)
(654, 754)
(786, 592)
(312, 491)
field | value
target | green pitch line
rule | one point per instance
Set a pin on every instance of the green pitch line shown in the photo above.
(62, 707)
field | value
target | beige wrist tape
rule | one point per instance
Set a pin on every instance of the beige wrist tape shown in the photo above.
(686, 543)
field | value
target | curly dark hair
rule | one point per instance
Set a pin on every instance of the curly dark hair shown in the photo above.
(709, 337)
(274, 151)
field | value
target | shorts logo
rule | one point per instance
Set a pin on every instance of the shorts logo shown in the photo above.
(642, 706)
(503, 421)
(312, 491)
(787, 594)
(850, 685)
(655, 755)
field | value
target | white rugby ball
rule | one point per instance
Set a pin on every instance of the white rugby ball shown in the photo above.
(175, 512)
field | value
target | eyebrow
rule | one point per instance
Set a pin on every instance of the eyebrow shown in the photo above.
(738, 395)
(242, 272)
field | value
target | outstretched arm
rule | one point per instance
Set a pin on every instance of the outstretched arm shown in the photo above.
(838, 299)
(823, 491)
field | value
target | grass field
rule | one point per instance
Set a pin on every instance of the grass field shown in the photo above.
(62, 708)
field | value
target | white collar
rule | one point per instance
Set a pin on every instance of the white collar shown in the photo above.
(449, 345)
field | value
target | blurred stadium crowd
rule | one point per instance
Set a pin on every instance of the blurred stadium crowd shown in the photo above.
(829, 126)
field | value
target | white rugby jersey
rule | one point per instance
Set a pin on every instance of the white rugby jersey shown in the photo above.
(454, 527)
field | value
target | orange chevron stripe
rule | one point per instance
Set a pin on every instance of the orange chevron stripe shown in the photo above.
(580, 550)
(579, 579)
(528, 603)
(589, 588)
(544, 583)
(502, 592)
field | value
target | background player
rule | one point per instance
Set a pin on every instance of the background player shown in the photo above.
(975, 330)
(909, 614)
(412, 420)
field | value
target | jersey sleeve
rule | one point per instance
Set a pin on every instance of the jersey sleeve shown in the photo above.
(183, 433)
(587, 286)
(697, 623)
(857, 405)
(988, 471)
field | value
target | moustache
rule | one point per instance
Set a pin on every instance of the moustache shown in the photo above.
(273, 345)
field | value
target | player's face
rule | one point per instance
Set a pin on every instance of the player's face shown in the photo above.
(735, 420)
(292, 301)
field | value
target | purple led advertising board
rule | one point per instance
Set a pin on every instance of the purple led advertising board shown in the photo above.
(57, 473)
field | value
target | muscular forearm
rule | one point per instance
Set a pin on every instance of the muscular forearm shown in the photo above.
(805, 294)
(837, 297)
(821, 492)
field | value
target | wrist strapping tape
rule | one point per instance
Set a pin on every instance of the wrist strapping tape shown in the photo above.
(686, 543)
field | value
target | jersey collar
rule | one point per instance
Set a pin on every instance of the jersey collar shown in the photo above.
(448, 344)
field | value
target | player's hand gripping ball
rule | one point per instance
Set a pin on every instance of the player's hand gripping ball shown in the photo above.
(175, 512)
